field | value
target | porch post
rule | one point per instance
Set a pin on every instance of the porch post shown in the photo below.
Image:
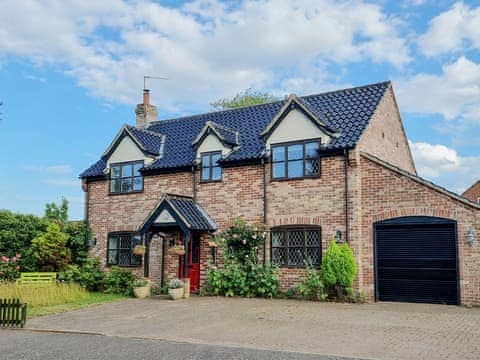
(146, 258)
(186, 236)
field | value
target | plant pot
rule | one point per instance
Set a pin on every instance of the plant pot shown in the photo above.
(178, 252)
(142, 292)
(139, 250)
(212, 244)
(186, 287)
(176, 294)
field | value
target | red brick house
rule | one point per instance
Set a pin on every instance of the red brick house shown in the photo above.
(473, 192)
(308, 169)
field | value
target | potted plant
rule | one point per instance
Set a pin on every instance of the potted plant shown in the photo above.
(175, 289)
(142, 288)
(178, 250)
(139, 250)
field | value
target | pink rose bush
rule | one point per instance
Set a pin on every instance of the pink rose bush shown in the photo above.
(9, 268)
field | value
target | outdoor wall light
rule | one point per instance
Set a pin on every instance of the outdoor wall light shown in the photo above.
(338, 236)
(92, 242)
(471, 236)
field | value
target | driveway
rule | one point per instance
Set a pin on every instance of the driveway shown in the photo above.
(381, 330)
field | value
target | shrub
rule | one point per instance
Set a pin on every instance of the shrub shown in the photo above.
(119, 281)
(16, 234)
(241, 274)
(89, 275)
(78, 235)
(49, 249)
(338, 270)
(9, 268)
(311, 287)
(175, 284)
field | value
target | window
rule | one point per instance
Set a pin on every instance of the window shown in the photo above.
(296, 160)
(120, 249)
(126, 178)
(293, 247)
(478, 200)
(211, 170)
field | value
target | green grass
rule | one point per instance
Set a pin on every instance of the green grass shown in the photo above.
(92, 299)
(54, 298)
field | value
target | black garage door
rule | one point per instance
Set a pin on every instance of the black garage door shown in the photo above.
(416, 260)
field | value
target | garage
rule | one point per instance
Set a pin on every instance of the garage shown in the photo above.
(416, 260)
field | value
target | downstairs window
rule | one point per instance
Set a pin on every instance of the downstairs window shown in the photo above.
(120, 249)
(296, 247)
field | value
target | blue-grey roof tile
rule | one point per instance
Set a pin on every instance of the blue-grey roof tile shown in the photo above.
(196, 217)
(346, 111)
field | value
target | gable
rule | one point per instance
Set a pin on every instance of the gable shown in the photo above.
(296, 126)
(165, 217)
(126, 150)
(212, 143)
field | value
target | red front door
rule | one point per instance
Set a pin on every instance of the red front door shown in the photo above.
(193, 263)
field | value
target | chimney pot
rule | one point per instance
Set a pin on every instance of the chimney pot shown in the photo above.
(146, 97)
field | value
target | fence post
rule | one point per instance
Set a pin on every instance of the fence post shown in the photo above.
(13, 313)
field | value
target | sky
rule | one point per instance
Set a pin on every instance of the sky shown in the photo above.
(72, 71)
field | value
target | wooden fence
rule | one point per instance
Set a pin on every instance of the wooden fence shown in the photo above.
(12, 313)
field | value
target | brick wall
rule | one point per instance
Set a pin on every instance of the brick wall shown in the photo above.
(385, 136)
(388, 194)
(473, 192)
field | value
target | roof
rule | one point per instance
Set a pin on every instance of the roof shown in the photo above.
(185, 210)
(347, 112)
(224, 134)
(420, 180)
(471, 187)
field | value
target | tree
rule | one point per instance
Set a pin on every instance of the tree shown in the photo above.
(50, 249)
(57, 213)
(244, 98)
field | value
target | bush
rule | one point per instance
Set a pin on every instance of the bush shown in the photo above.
(311, 287)
(9, 268)
(78, 235)
(241, 274)
(49, 249)
(90, 275)
(119, 281)
(338, 270)
(16, 234)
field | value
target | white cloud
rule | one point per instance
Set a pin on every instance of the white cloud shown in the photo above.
(207, 49)
(452, 30)
(453, 93)
(52, 169)
(445, 166)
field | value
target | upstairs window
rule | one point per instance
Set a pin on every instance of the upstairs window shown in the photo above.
(126, 178)
(120, 249)
(211, 170)
(296, 247)
(296, 160)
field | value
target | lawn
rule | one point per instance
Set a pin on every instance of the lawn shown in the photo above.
(55, 298)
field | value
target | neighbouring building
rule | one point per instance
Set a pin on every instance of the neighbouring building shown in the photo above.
(308, 169)
(473, 192)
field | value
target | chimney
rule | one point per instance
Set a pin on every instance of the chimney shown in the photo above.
(145, 112)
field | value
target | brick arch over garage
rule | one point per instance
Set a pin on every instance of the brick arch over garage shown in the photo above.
(415, 211)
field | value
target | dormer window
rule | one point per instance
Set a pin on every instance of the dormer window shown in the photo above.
(211, 170)
(126, 178)
(295, 160)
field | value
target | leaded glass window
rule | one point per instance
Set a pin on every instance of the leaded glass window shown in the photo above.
(120, 249)
(296, 247)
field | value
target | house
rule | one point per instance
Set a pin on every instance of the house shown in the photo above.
(473, 192)
(309, 169)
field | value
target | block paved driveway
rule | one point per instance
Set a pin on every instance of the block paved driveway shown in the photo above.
(378, 330)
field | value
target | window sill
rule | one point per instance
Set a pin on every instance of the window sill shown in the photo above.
(296, 178)
(125, 193)
(210, 181)
(124, 266)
